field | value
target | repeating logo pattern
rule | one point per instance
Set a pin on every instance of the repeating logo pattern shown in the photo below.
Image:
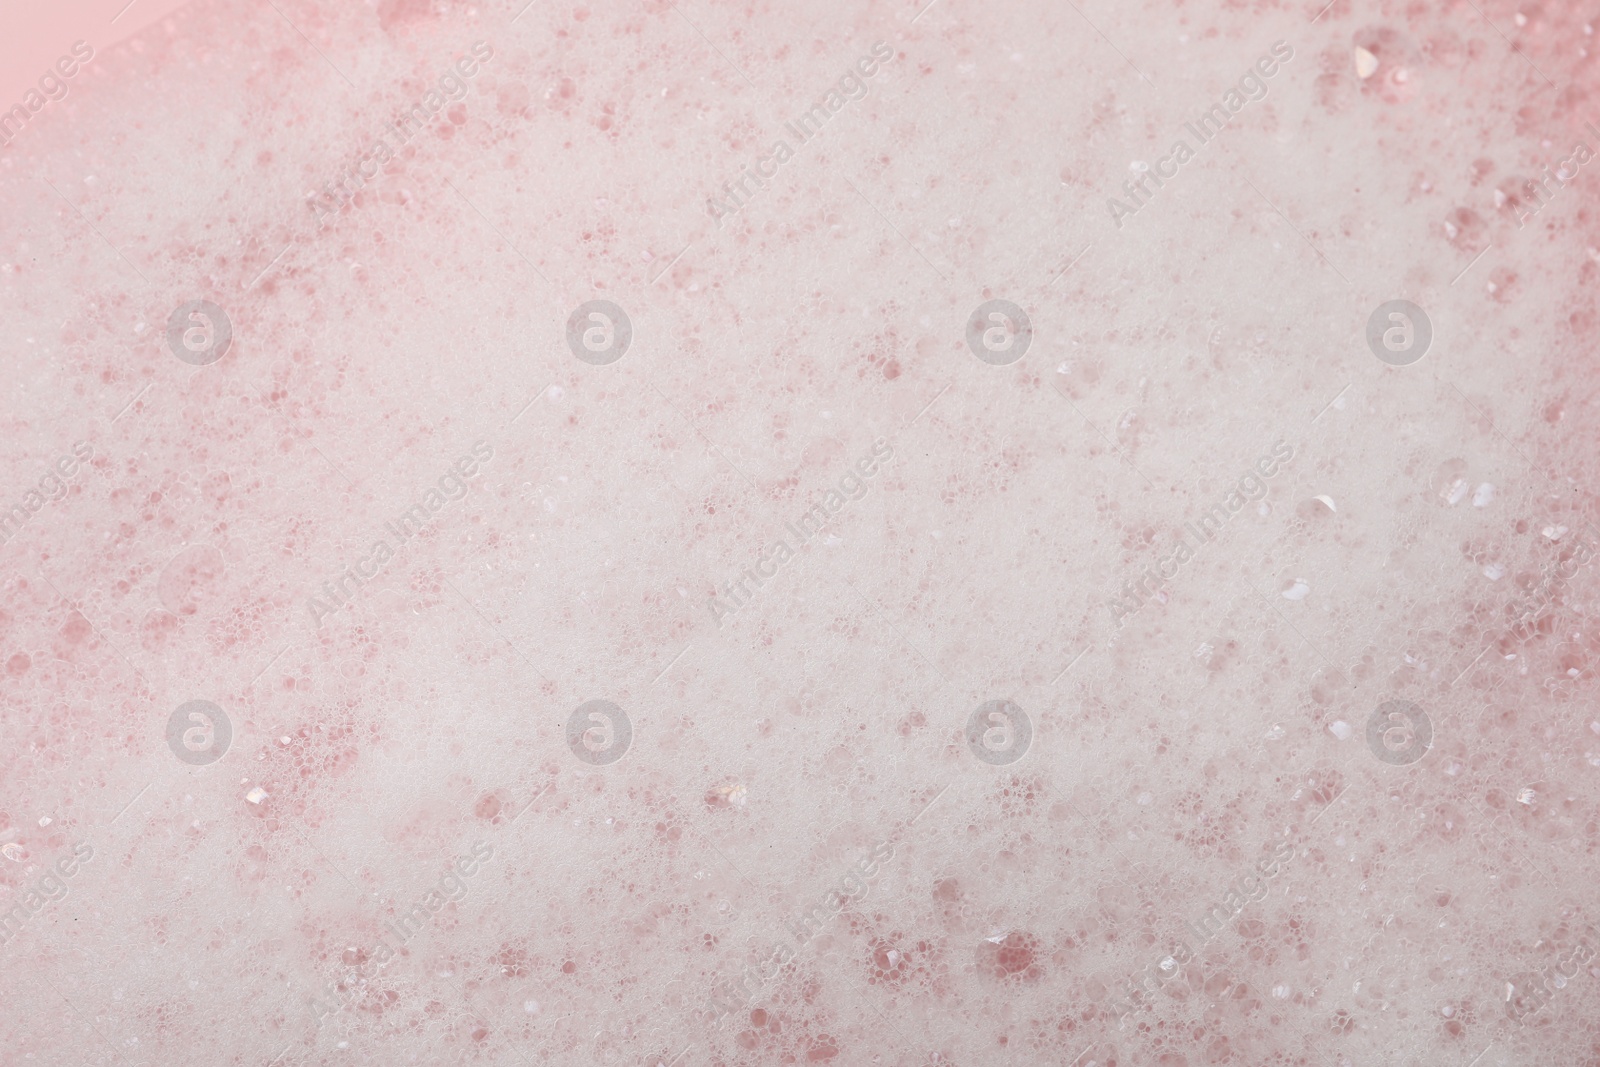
(599, 732)
(999, 732)
(599, 332)
(1399, 732)
(1399, 333)
(199, 733)
(999, 333)
(199, 333)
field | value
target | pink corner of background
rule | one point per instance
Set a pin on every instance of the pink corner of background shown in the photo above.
(34, 36)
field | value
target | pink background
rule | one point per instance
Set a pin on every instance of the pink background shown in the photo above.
(36, 35)
(408, 854)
